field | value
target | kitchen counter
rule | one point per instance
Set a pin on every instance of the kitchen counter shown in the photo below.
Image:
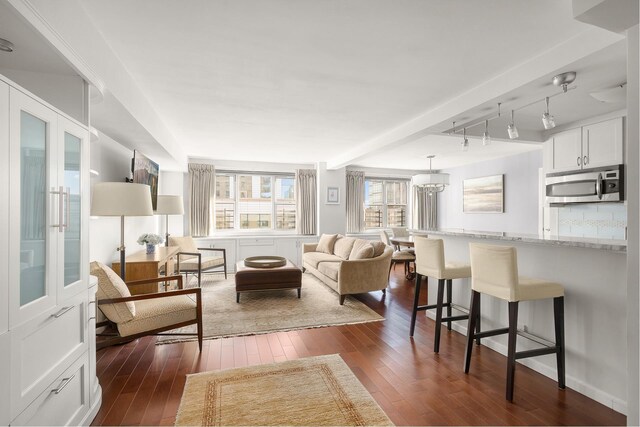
(576, 242)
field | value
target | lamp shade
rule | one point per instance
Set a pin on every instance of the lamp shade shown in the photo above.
(427, 179)
(170, 205)
(121, 199)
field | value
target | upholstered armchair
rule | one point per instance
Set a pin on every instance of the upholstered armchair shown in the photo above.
(132, 317)
(192, 261)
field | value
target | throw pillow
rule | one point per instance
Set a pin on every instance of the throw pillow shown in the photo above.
(326, 243)
(110, 285)
(378, 248)
(343, 246)
(362, 249)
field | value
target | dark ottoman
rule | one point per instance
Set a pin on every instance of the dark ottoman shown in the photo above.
(249, 279)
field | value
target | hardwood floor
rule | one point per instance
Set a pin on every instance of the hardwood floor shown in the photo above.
(142, 383)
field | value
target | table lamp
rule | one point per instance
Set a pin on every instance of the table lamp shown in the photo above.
(169, 205)
(121, 199)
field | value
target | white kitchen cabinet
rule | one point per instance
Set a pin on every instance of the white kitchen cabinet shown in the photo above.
(44, 303)
(566, 151)
(595, 145)
(602, 144)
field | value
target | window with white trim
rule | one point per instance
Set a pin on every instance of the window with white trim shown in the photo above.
(247, 201)
(385, 203)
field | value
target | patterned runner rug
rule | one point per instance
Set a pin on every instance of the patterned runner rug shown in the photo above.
(314, 391)
(264, 312)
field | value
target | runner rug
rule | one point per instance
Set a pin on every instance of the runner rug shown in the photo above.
(314, 391)
(271, 311)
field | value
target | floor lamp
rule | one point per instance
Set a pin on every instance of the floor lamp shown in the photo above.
(169, 205)
(121, 199)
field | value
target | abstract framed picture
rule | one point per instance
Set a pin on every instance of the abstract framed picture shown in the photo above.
(333, 195)
(483, 195)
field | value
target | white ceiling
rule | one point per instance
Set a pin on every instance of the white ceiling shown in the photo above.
(302, 80)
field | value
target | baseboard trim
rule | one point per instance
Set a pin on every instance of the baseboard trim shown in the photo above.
(95, 407)
(573, 383)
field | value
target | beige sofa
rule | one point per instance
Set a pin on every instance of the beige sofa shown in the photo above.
(348, 276)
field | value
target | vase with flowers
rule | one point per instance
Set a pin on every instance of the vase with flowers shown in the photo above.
(151, 240)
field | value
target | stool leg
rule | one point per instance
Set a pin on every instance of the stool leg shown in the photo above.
(558, 311)
(478, 321)
(390, 267)
(511, 348)
(436, 339)
(474, 314)
(449, 293)
(415, 304)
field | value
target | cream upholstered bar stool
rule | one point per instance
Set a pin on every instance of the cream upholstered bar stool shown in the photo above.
(494, 272)
(430, 262)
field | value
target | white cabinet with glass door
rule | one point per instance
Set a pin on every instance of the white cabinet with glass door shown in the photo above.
(4, 210)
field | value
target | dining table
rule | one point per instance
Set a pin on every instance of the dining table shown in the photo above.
(407, 242)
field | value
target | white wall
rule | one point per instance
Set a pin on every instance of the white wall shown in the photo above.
(520, 195)
(332, 219)
(113, 162)
(171, 184)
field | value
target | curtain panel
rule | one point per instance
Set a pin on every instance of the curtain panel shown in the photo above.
(202, 186)
(355, 201)
(306, 201)
(425, 209)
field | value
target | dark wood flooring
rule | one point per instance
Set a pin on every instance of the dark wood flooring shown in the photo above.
(142, 383)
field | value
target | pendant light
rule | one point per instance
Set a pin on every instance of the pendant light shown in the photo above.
(547, 119)
(486, 138)
(465, 141)
(512, 129)
(431, 182)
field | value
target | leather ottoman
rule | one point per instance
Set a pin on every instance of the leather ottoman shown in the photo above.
(249, 279)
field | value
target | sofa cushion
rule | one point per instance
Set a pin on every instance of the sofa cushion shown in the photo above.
(378, 248)
(343, 246)
(315, 258)
(326, 243)
(110, 285)
(330, 269)
(362, 249)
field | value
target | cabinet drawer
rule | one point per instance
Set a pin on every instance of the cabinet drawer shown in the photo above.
(256, 242)
(63, 402)
(43, 348)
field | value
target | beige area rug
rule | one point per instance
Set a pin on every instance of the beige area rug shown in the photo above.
(314, 391)
(264, 312)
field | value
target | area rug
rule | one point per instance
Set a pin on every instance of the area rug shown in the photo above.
(264, 312)
(314, 391)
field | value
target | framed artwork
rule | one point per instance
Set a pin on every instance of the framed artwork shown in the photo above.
(333, 195)
(483, 195)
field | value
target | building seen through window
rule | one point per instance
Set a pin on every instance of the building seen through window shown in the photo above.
(385, 203)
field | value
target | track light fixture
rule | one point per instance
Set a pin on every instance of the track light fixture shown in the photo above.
(465, 141)
(547, 119)
(486, 138)
(512, 129)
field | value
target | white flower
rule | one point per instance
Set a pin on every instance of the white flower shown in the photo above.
(150, 239)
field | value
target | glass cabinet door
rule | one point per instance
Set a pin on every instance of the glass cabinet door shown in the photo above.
(73, 139)
(4, 213)
(34, 200)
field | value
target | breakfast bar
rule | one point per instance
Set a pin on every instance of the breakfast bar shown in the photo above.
(593, 273)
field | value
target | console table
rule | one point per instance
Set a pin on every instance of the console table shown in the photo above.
(141, 265)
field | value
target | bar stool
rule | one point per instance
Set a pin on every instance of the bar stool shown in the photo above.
(495, 272)
(430, 262)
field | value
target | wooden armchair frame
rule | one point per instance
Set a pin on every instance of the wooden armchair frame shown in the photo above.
(200, 271)
(117, 339)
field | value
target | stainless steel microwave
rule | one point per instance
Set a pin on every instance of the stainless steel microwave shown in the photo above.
(585, 186)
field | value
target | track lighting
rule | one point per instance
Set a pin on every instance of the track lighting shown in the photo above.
(547, 119)
(486, 138)
(512, 129)
(465, 141)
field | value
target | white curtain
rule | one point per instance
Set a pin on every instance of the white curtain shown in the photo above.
(425, 209)
(202, 186)
(355, 201)
(306, 201)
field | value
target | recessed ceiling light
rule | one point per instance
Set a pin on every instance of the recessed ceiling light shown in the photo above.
(6, 45)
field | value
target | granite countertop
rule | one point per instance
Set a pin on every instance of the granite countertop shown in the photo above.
(576, 242)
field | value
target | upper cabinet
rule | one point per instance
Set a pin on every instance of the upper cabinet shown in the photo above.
(596, 145)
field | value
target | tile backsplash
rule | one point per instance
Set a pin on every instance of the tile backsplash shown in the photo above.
(598, 220)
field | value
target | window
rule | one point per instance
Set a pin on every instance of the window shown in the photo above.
(385, 203)
(255, 202)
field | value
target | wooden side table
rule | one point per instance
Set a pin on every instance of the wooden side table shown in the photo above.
(141, 265)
